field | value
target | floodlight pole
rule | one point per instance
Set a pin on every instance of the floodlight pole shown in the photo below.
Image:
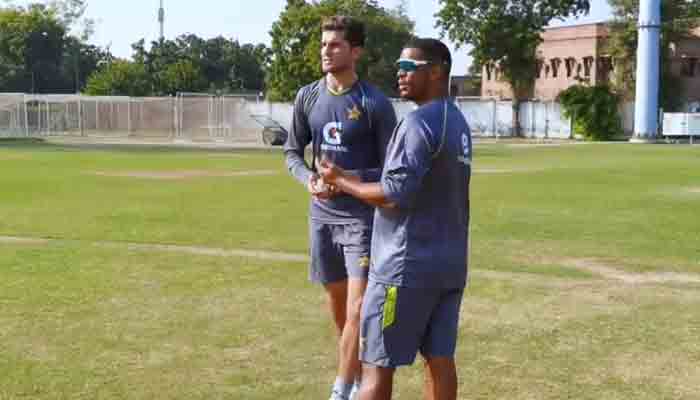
(646, 108)
(161, 21)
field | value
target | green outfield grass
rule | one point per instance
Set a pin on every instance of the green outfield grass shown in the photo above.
(585, 278)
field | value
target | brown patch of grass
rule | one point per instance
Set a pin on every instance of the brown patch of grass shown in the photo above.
(210, 251)
(188, 174)
(505, 170)
(640, 366)
(610, 272)
(22, 240)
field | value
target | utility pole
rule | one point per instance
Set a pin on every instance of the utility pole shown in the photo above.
(161, 20)
(646, 107)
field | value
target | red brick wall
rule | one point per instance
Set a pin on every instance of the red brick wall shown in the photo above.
(578, 43)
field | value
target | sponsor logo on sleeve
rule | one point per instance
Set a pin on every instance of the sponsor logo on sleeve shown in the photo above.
(466, 156)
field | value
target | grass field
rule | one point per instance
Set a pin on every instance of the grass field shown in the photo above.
(585, 276)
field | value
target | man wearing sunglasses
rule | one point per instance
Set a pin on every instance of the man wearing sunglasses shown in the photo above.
(420, 237)
(350, 122)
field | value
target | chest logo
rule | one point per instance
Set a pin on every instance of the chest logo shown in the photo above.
(354, 113)
(333, 132)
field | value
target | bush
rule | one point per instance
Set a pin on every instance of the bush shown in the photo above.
(594, 110)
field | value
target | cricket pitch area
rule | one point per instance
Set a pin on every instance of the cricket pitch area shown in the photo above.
(173, 273)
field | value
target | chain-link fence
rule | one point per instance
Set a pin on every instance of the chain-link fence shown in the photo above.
(200, 117)
(13, 115)
(204, 117)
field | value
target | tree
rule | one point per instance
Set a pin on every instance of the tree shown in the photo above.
(296, 38)
(36, 52)
(119, 77)
(222, 65)
(31, 48)
(678, 18)
(247, 72)
(593, 109)
(79, 61)
(182, 76)
(506, 34)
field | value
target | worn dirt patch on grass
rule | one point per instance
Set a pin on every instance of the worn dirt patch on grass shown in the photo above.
(198, 250)
(188, 174)
(13, 157)
(521, 145)
(610, 272)
(209, 251)
(22, 240)
(505, 170)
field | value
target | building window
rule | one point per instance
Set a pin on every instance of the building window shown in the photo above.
(538, 68)
(570, 64)
(587, 66)
(689, 66)
(555, 66)
(489, 67)
(605, 67)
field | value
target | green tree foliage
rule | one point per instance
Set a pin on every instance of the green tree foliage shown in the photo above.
(182, 76)
(296, 38)
(594, 110)
(31, 48)
(678, 18)
(37, 54)
(505, 33)
(221, 65)
(79, 60)
(119, 77)
(43, 49)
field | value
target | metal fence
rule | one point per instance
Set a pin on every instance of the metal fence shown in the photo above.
(202, 117)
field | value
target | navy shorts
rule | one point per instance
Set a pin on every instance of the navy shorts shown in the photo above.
(339, 251)
(398, 322)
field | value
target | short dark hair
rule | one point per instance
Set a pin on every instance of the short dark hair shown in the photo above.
(353, 30)
(434, 51)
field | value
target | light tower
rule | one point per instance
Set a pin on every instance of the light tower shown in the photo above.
(161, 20)
(646, 107)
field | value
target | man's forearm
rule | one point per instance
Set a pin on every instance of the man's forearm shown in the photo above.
(298, 167)
(369, 192)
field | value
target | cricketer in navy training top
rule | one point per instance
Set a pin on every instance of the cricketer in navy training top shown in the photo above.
(420, 237)
(350, 122)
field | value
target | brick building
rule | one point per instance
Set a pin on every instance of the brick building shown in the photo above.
(572, 54)
(465, 86)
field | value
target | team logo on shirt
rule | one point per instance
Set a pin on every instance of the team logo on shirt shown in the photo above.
(466, 156)
(364, 262)
(333, 132)
(354, 113)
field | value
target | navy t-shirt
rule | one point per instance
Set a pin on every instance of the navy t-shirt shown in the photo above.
(423, 242)
(352, 130)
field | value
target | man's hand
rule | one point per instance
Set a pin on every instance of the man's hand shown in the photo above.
(320, 189)
(370, 192)
(330, 172)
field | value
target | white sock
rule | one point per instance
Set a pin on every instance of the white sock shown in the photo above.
(341, 388)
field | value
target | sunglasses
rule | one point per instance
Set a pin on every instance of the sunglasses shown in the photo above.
(410, 65)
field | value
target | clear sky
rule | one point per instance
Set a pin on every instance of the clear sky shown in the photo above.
(123, 22)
